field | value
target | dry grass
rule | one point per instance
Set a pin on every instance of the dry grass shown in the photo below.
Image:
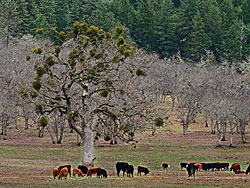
(27, 161)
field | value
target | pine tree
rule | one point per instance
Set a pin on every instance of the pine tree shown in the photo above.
(212, 19)
(62, 15)
(144, 24)
(45, 16)
(23, 17)
(102, 16)
(231, 28)
(166, 29)
(188, 10)
(9, 20)
(199, 40)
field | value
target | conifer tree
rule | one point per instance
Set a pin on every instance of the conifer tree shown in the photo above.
(199, 40)
(212, 20)
(144, 24)
(167, 41)
(9, 20)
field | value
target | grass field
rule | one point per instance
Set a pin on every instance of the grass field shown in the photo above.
(27, 161)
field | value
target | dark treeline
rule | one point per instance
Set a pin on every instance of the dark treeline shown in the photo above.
(191, 28)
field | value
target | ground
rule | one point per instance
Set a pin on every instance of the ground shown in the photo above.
(27, 160)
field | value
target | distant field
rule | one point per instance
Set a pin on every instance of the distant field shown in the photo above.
(27, 161)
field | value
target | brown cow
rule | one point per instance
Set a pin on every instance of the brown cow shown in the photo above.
(77, 171)
(241, 172)
(67, 166)
(63, 173)
(92, 171)
(235, 167)
(198, 166)
(55, 172)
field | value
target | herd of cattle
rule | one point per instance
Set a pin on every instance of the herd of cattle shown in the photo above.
(81, 171)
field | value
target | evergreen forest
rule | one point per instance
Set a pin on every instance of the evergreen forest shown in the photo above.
(192, 29)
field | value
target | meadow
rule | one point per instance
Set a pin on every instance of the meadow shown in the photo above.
(27, 160)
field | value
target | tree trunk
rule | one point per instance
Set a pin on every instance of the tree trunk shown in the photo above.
(243, 131)
(61, 129)
(219, 133)
(213, 126)
(4, 131)
(153, 129)
(206, 119)
(88, 140)
(48, 128)
(26, 122)
(16, 125)
(224, 126)
(88, 147)
(185, 128)
(173, 99)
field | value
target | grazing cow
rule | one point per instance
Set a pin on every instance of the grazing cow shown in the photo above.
(223, 165)
(92, 171)
(67, 166)
(130, 170)
(198, 166)
(183, 165)
(77, 171)
(101, 173)
(63, 173)
(208, 166)
(241, 172)
(84, 169)
(235, 167)
(191, 170)
(55, 172)
(165, 166)
(248, 169)
(142, 169)
(121, 166)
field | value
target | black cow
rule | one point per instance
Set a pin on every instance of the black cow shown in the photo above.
(248, 169)
(165, 166)
(101, 173)
(208, 166)
(183, 165)
(191, 170)
(225, 166)
(84, 169)
(142, 169)
(130, 170)
(121, 166)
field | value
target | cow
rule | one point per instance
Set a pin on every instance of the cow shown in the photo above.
(235, 167)
(77, 171)
(241, 172)
(191, 170)
(208, 166)
(63, 173)
(248, 169)
(130, 170)
(101, 173)
(92, 171)
(183, 165)
(165, 166)
(84, 169)
(121, 166)
(198, 166)
(67, 166)
(223, 165)
(55, 172)
(141, 169)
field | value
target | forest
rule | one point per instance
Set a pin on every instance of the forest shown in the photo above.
(191, 28)
(105, 75)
